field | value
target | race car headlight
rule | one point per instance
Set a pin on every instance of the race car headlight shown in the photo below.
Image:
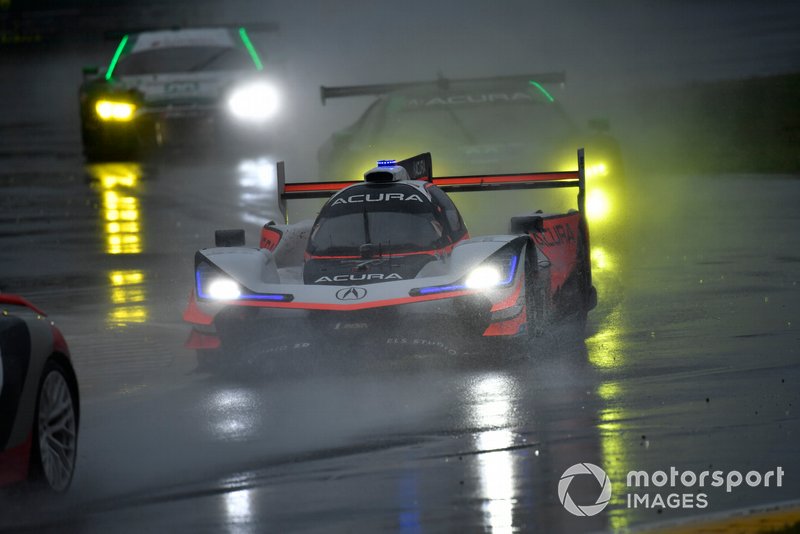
(115, 110)
(213, 284)
(598, 205)
(255, 102)
(483, 277)
(596, 170)
(224, 289)
(494, 273)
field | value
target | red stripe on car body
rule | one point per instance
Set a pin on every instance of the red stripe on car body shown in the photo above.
(193, 313)
(507, 328)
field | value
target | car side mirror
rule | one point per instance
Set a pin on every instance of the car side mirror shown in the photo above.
(599, 125)
(526, 224)
(229, 238)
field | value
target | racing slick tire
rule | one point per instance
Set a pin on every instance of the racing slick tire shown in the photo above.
(55, 429)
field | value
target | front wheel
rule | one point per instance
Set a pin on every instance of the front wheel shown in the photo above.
(55, 443)
(536, 304)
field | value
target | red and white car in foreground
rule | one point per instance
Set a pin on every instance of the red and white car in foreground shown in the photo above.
(39, 403)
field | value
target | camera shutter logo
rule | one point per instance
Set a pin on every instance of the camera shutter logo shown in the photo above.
(590, 509)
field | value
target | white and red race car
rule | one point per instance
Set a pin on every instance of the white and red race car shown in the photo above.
(390, 258)
(39, 403)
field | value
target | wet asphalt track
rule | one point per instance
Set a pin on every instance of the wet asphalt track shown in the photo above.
(690, 360)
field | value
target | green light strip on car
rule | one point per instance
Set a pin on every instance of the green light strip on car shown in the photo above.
(118, 53)
(542, 90)
(250, 49)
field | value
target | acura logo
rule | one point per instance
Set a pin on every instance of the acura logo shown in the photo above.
(351, 293)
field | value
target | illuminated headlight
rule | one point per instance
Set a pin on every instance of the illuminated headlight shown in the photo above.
(483, 277)
(498, 272)
(598, 205)
(254, 102)
(112, 110)
(224, 289)
(597, 170)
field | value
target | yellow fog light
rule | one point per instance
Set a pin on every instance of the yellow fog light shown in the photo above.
(598, 205)
(109, 110)
(597, 170)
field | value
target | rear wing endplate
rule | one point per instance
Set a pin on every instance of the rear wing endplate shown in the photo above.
(420, 168)
(443, 83)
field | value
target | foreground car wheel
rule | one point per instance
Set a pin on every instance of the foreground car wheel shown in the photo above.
(56, 430)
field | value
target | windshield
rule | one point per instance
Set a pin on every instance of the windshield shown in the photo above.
(184, 59)
(394, 231)
(474, 119)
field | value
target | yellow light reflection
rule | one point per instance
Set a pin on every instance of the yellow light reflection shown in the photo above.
(128, 314)
(603, 260)
(127, 294)
(608, 390)
(120, 206)
(120, 278)
(119, 187)
(615, 459)
(607, 350)
(494, 409)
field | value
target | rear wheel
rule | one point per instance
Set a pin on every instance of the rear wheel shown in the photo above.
(587, 295)
(55, 443)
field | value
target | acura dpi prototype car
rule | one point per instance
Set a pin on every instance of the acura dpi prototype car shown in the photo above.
(39, 403)
(176, 87)
(479, 125)
(390, 259)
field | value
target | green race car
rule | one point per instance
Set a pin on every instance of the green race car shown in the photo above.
(502, 124)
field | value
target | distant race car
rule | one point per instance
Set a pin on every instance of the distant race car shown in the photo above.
(481, 125)
(172, 87)
(39, 402)
(389, 258)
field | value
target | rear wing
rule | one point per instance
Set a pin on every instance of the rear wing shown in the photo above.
(443, 83)
(421, 168)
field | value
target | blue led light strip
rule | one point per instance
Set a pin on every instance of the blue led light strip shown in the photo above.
(432, 290)
(258, 296)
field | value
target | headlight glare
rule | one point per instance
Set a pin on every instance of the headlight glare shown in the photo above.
(224, 289)
(483, 277)
(598, 205)
(597, 170)
(255, 102)
(112, 110)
